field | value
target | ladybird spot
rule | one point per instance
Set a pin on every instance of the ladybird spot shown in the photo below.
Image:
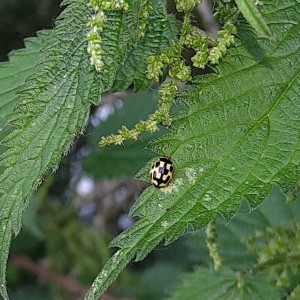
(161, 170)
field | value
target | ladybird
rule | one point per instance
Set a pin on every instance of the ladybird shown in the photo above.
(161, 172)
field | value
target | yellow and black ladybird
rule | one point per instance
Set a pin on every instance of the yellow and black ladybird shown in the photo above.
(161, 172)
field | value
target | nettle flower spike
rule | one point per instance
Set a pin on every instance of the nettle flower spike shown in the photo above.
(107, 5)
(186, 5)
(154, 67)
(94, 48)
(180, 71)
(226, 13)
(224, 41)
(160, 116)
(211, 243)
(146, 5)
(96, 24)
(200, 59)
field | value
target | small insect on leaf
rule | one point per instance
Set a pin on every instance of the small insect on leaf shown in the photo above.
(161, 172)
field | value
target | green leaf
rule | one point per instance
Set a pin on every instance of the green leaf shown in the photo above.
(12, 76)
(252, 15)
(205, 284)
(238, 136)
(54, 107)
(38, 119)
(14, 73)
(157, 280)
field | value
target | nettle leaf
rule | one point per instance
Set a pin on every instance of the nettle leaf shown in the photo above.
(54, 109)
(14, 73)
(224, 285)
(237, 136)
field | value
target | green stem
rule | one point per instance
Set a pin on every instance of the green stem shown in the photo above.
(279, 260)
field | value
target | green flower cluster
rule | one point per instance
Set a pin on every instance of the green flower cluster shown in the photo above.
(96, 24)
(226, 11)
(225, 39)
(162, 114)
(186, 5)
(211, 243)
(146, 5)
(207, 49)
(94, 48)
(178, 69)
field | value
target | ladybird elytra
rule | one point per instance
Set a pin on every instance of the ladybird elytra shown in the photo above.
(161, 172)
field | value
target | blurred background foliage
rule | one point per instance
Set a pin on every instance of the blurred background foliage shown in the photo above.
(79, 209)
